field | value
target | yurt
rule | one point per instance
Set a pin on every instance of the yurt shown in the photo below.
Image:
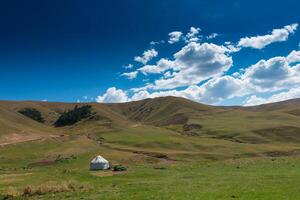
(99, 163)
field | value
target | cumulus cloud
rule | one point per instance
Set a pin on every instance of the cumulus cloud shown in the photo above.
(218, 89)
(231, 48)
(145, 94)
(197, 71)
(293, 57)
(213, 91)
(283, 96)
(192, 64)
(113, 95)
(161, 66)
(195, 63)
(130, 75)
(272, 75)
(146, 87)
(277, 35)
(193, 35)
(174, 37)
(147, 56)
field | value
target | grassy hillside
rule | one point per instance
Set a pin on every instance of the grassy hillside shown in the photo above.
(172, 146)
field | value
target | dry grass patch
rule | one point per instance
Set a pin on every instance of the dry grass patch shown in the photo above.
(51, 187)
(54, 187)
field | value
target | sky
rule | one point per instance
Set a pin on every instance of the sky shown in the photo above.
(214, 52)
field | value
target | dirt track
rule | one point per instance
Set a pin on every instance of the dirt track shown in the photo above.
(14, 138)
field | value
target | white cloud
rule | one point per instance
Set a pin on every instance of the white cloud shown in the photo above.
(253, 100)
(212, 36)
(129, 66)
(153, 43)
(193, 35)
(293, 57)
(283, 96)
(212, 92)
(169, 74)
(161, 66)
(236, 75)
(197, 71)
(195, 63)
(216, 90)
(113, 95)
(146, 87)
(130, 75)
(231, 48)
(272, 75)
(145, 94)
(277, 35)
(174, 37)
(268, 74)
(147, 56)
(192, 64)
(140, 95)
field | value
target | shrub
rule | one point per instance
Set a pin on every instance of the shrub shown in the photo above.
(72, 116)
(118, 168)
(32, 114)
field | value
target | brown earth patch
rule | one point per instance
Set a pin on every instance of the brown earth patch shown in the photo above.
(41, 163)
(17, 138)
(192, 129)
(295, 152)
(189, 127)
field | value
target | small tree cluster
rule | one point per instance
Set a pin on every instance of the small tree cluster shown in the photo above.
(118, 168)
(33, 114)
(72, 116)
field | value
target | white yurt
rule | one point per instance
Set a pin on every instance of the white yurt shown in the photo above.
(99, 163)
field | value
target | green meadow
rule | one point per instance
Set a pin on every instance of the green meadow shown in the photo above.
(179, 150)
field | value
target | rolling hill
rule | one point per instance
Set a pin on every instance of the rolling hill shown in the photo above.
(276, 122)
(146, 135)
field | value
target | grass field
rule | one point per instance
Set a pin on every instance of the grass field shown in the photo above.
(176, 150)
(245, 178)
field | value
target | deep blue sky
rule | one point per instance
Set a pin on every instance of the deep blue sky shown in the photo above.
(61, 50)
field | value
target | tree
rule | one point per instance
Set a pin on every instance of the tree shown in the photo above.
(32, 114)
(73, 116)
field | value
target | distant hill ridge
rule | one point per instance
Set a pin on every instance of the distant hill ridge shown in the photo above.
(244, 124)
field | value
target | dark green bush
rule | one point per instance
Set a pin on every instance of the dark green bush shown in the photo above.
(32, 114)
(72, 116)
(118, 168)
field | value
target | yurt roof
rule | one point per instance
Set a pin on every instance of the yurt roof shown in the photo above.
(99, 159)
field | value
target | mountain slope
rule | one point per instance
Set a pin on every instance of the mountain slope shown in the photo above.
(149, 137)
(277, 122)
